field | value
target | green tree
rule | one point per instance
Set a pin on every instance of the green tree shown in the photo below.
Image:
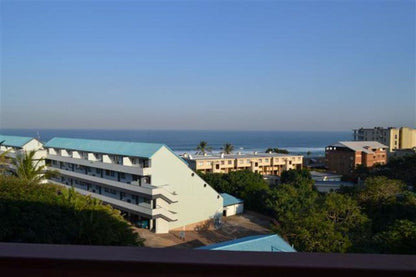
(276, 150)
(203, 147)
(295, 176)
(45, 213)
(31, 170)
(228, 148)
(400, 238)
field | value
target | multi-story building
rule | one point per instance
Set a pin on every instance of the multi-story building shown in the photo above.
(344, 156)
(16, 145)
(149, 183)
(263, 163)
(394, 138)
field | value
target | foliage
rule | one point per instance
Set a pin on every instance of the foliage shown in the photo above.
(30, 169)
(228, 148)
(276, 150)
(243, 184)
(203, 147)
(314, 222)
(293, 176)
(47, 213)
(400, 238)
(398, 168)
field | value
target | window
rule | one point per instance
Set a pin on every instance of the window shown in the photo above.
(122, 175)
(260, 161)
(98, 170)
(222, 162)
(230, 162)
(266, 160)
(112, 191)
(201, 163)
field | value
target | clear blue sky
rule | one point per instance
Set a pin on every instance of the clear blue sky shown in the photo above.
(330, 65)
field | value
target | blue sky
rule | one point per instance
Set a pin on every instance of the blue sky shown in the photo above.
(237, 65)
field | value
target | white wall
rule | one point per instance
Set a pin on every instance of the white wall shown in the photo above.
(195, 202)
(234, 209)
(33, 144)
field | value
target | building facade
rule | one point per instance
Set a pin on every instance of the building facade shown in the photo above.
(263, 163)
(394, 138)
(151, 185)
(343, 157)
(16, 145)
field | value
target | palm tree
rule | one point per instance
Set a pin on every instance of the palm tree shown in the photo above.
(203, 147)
(228, 148)
(30, 169)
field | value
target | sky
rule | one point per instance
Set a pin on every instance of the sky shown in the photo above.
(207, 65)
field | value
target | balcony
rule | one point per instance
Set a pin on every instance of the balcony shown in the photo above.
(147, 190)
(22, 259)
(134, 169)
(129, 207)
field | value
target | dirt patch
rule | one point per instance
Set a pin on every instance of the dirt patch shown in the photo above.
(233, 227)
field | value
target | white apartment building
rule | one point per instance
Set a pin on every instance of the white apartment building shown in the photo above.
(146, 181)
(16, 145)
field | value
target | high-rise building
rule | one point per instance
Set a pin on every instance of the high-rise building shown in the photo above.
(394, 138)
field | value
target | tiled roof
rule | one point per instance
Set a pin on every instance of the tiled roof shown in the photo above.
(133, 149)
(262, 243)
(230, 200)
(14, 141)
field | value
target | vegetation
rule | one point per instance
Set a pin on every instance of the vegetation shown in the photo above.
(228, 148)
(203, 147)
(378, 217)
(276, 150)
(31, 170)
(35, 213)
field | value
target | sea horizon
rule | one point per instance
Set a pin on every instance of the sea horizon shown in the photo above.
(185, 141)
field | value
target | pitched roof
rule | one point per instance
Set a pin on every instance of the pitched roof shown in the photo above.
(14, 141)
(364, 146)
(230, 200)
(262, 243)
(122, 148)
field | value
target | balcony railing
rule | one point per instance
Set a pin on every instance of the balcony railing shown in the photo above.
(80, 260)
(148, 190)
(129, 207)
(135, 169)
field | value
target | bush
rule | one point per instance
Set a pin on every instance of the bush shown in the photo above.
(53, 214)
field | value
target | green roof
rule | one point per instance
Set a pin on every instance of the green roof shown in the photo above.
(262, 243)
(230, 200)
(122, 148)
(14, 141)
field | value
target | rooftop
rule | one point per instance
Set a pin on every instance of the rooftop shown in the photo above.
(363, 146)
(323, 174)
(230, 200)
(215, 156)
(122, 148)
(14, 141)
(262, 243)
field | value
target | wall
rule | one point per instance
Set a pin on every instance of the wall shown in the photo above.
(196, 202)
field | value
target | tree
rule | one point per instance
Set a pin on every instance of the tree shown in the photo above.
(308, 153)
(203, 147)
(45, 213)
(276, 150)
(30, 169)
(400, 238)
(295, 176)
(228, 148)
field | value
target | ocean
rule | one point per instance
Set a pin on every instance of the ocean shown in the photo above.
(296, 142)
